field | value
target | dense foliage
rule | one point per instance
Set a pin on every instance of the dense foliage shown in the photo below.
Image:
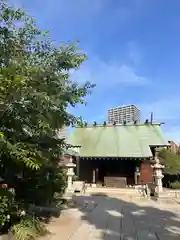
(35, 92)
(171, 162)
(28, 228)
(175, 185)
(8, 206)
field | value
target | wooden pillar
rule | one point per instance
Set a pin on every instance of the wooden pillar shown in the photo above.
(94, 176)
(78, 166)
(97, 174)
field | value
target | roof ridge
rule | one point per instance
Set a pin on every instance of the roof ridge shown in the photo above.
(121, 125)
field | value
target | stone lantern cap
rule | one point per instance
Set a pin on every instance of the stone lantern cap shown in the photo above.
(70, 165)
(66, 159)
(71, 152)
(158, 166)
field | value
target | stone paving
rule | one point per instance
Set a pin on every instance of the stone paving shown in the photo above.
(117, 218)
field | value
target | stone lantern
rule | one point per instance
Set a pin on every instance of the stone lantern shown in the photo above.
(70, 173)
(158, 173)
(67, 163)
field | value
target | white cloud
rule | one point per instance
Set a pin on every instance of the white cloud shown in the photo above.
(108, 74)
(166, 108)
(82, 16)
(128, 75)
(134, 53)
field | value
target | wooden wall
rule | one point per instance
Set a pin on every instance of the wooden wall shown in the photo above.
(146, 172)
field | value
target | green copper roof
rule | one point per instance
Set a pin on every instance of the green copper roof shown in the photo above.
(117, 141)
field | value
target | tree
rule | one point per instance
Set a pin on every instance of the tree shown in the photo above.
(171, 162)
(35, 93)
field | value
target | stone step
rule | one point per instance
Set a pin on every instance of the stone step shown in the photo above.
(111, 189)
(118, 191)
(169, 194)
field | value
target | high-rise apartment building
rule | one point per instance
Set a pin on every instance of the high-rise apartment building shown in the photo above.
(120, 114)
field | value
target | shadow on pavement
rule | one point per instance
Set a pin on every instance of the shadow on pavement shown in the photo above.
(112, 218)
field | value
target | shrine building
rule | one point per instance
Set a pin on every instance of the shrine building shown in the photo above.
(114, 155)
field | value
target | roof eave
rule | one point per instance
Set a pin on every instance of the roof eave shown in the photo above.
(98, 157)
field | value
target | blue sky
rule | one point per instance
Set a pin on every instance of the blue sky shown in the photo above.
(133, 48)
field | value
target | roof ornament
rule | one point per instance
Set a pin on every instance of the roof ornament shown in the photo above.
(104, 124)
(147, 121)
(114, 123)
(152, 118)
(95, 123)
